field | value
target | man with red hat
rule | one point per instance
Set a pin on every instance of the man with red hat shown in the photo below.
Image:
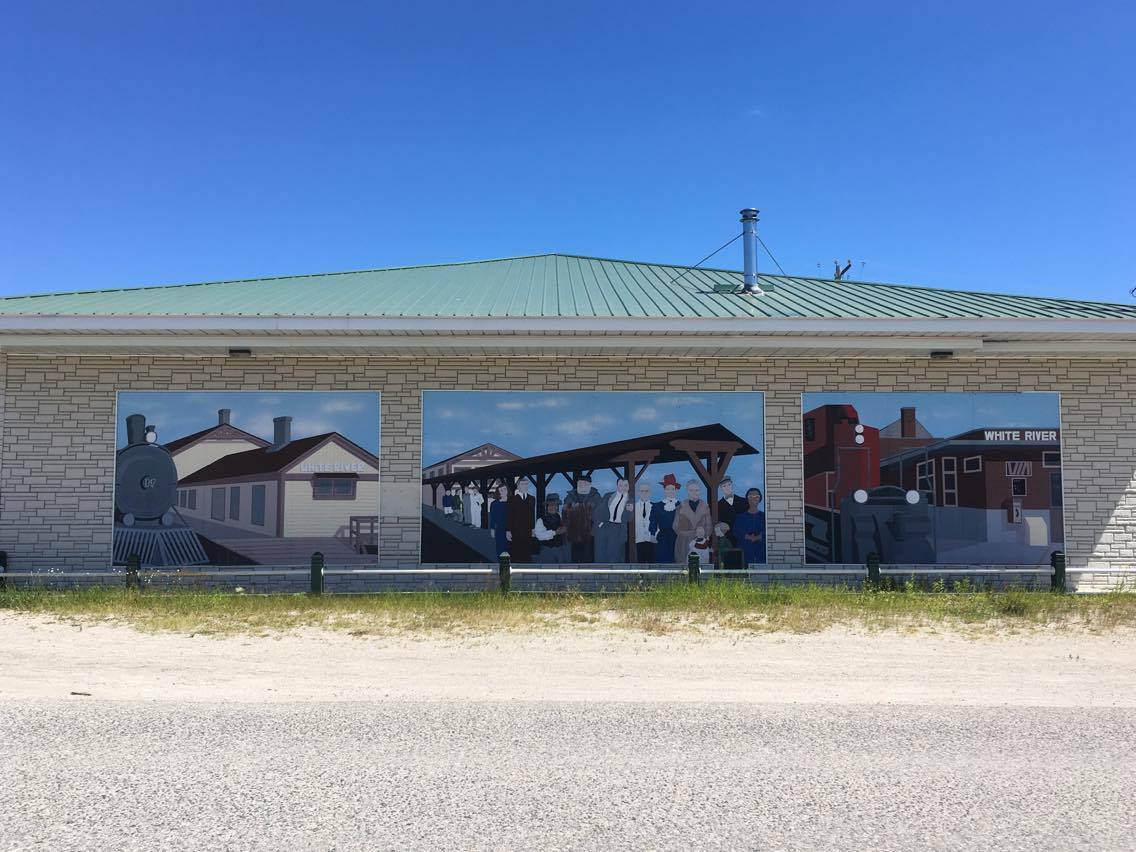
(663, 520)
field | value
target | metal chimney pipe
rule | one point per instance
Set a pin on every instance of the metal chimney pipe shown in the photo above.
(282, 432)
(223, 416)
(749, 244)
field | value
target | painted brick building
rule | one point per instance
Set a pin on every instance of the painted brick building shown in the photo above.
(539, 323)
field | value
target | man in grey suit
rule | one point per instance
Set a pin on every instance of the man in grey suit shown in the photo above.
(610, 524)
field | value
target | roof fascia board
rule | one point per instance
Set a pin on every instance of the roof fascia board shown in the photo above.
(15, 342)
(428, 325)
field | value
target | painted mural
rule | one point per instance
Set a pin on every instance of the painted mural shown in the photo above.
(593, 477)
(246, 478)
(932, 478)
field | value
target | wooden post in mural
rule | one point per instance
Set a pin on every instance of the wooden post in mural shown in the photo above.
(632, 473)
(718, 455)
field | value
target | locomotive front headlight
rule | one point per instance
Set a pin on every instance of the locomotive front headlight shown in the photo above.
(151, 434)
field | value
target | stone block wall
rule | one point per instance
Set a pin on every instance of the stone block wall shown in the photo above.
(57, 427)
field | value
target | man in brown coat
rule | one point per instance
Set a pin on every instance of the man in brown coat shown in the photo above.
(693, 514)
(519, 523)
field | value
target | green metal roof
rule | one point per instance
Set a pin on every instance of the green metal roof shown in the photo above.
(551, 285)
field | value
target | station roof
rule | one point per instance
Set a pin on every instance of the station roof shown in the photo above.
(600, 456)
(559, 304)
(549, 285)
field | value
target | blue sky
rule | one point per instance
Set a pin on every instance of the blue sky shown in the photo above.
(530, 423)
(948, 414)
(967, 144)
(354, 414)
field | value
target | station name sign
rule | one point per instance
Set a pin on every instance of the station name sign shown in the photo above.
(1031, 435)
(333, 467)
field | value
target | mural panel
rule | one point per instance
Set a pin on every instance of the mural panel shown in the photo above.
(593, 477)
(246, 478)
(952, 478)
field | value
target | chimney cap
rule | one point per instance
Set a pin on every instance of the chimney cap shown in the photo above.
(749, 213)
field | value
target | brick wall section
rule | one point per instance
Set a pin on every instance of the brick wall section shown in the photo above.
(57, 426)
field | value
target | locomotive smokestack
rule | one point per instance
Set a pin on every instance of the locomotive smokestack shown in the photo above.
(223, 417)
(136, 429)
(282, 433)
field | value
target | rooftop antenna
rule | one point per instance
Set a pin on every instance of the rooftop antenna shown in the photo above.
(840, 273)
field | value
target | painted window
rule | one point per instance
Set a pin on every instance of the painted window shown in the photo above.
(950, 482)
(972, 464)
(332, 487)
(1051, 458)
(257, 511)
(925, 478)
(1019, 468)
(1018, 486)
(191, 499)
(217, 504)
(235, 503)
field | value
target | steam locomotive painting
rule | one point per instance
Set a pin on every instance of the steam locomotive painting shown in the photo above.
(877, 478)
(146, 519)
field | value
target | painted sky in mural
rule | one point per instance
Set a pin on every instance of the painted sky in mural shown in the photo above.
(523, 424)
(530, 422)
(246, 478)
(933, 478)
(354, 414)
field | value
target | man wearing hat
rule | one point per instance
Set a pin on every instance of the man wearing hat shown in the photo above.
(663, 521)
(582, 507)
(550, 533)
(729, 504)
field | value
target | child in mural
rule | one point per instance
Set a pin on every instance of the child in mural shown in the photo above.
(611, 525)
(700, 547)
(644, 538)
(749, 528)
(520, 520)
(550, 533)
(498, 519)
(663, 521)
(581, 506)
(692, 515)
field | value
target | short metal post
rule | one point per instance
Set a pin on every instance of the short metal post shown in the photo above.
(1057, 560)
(693, 569)
(873, 564)
(317, 573)
(133, 574)
(3, 569)
(504, 573)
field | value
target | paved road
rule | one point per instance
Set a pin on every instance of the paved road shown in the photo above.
(84, 774)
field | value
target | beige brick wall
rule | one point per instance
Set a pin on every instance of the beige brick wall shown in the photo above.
(57, 430)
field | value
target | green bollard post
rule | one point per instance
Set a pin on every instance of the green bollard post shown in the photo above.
(693, 569)
(317, 573)
(1057, 560)
(504, 573)
(133, 574)
(873, 565)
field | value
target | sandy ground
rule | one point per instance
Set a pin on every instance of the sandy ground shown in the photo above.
(40, 658)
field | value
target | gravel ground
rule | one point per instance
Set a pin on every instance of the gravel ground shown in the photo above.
(82, 773)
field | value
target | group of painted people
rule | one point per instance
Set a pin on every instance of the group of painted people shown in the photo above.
(589, 527)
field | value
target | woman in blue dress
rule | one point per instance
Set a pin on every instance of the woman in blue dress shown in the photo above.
(498, 520)
(663, 522)
(749, 528)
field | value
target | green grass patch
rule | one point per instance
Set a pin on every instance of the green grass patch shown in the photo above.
(665, 609)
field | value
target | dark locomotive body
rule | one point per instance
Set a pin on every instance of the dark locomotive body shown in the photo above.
(146, 520)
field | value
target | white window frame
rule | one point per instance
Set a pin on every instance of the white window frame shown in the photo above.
(1025, 486)
(950, 493)
(1048, 453)
(966, 468)
(925, 473)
